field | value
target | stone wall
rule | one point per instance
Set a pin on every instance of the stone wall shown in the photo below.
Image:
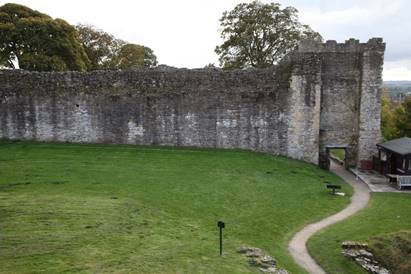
(322, 94)
(350, 100)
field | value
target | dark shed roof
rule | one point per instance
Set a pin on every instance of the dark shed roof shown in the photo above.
(400, 146)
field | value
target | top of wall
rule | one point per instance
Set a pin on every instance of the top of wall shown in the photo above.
(159, 80)
(143, 81)
(350, 45)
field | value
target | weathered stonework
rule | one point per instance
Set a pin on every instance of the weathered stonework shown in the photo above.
(360, 253)
(321, 95)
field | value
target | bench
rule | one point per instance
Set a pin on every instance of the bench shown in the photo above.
(403, 181)
(333, 187)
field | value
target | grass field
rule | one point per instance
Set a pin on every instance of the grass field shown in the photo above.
(125, 209)
(386, 213)
(338, 153)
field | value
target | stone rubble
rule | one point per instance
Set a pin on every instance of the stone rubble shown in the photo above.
(361, 255)
(257, 258)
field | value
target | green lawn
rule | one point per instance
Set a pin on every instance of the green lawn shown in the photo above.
(338, 153)
(386, 213)
(128, 209)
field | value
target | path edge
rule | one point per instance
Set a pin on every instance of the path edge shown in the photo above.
(297, 246)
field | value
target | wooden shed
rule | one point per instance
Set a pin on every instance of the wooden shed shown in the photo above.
(394, 157)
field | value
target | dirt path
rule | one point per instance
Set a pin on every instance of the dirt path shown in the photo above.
(297, 246)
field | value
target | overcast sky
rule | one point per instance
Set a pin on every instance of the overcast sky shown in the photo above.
(184, 33)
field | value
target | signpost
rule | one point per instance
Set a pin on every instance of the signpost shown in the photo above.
(221, 225)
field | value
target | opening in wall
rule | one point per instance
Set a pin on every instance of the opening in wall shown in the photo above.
(337, 154)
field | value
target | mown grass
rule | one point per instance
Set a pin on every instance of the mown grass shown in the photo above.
(386, 213)
(68, 208)
(338, 153)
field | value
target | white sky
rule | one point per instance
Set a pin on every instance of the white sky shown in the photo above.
(184, 33)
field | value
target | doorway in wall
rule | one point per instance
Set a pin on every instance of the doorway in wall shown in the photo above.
(337, 153)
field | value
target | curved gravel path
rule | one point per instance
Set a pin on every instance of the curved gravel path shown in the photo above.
(297, 246)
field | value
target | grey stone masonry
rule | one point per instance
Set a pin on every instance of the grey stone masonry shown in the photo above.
(319, 95)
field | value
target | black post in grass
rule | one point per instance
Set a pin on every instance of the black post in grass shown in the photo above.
(221, 225)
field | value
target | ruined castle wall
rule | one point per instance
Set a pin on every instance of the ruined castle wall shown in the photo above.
(370, 100)
(350, 100)
(248, 109)
(320, 95)
(341, 91)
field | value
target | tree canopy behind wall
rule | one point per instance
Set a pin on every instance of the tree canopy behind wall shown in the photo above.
(107, 52)
(38, 42)
(35, 41)
(100, 46)
(259, 35)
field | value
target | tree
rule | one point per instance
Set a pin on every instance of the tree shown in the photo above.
(107, 52)
(259, 35)
(388, 123)
(150, 60)
(100, 47)
(38, 42)
(132, 56)
(403, 118)
(395, 120)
